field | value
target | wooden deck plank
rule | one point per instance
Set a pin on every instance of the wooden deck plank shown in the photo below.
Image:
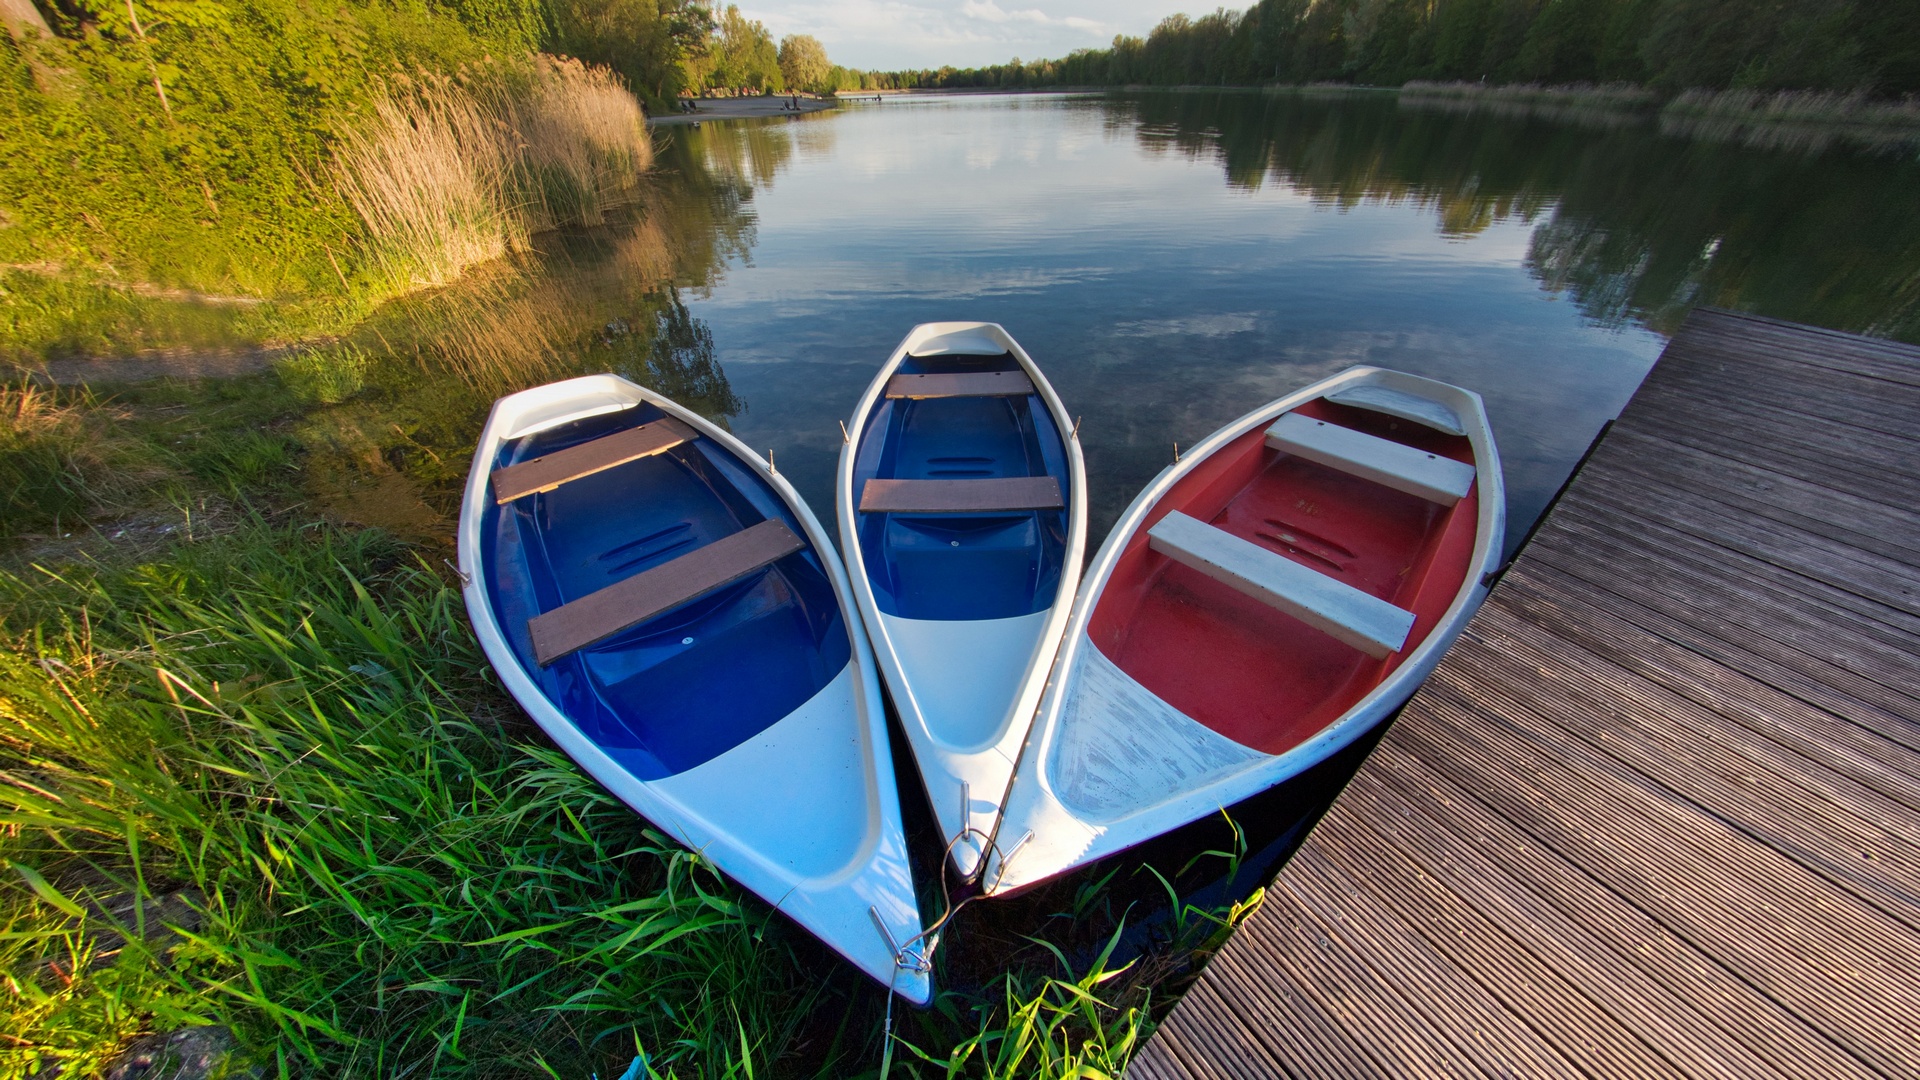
(1764, 711)
(1892, 531)
(1830, 681)
(1479, 854)
(1847, 833)
(1761, 596)
(1658, 812)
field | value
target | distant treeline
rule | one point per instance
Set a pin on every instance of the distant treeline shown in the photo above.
(1671, 45)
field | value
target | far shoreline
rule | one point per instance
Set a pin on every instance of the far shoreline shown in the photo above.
(743, 108)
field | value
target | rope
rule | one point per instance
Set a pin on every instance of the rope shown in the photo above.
(907, 957)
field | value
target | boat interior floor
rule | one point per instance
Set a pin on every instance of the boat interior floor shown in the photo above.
(1238, 664)
(955, 523)
(696, 677)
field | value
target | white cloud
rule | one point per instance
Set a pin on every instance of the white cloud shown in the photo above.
(895, 34)
(992, 12)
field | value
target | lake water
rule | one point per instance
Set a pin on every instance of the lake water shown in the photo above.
(1172, 260)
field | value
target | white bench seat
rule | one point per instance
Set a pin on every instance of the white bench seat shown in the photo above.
(1359, 619)
(1432, 477)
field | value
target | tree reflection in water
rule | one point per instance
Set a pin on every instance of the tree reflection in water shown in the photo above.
(1636, 226)
(674, 356)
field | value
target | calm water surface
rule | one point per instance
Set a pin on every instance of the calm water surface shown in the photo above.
(1173, 260)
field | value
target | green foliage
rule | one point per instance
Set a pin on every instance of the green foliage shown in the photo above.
(51, 455)
(740, 56)
(45, 315)
(287, 728)
(641, 40)
(196, 140)
(1675, 44)
(325, 374)
(804, 64)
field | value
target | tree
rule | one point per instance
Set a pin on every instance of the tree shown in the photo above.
(804, 63)
(632, 37)
(744, 54)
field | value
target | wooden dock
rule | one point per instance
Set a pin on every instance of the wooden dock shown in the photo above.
(1658, 812)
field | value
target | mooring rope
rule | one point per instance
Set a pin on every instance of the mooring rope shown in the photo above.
(916, 954)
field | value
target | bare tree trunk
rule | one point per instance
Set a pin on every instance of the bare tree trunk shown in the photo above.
(21, 16)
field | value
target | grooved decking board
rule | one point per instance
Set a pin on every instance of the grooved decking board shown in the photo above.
(1657, 813)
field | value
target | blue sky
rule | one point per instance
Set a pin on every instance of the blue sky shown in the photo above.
(893, 34)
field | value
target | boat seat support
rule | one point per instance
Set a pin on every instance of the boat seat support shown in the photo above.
(960, 384)
(1359, 619)
(1000, 494)
(1432, 477)
(549, 471)
(602, 614)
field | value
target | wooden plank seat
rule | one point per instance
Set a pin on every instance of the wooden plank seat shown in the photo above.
(990, 495)
(627, 603)
(1359, 619)
(549, 471)
(960, 384)
(1395, 465)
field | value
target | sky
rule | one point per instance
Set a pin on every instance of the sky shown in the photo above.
(890, 35)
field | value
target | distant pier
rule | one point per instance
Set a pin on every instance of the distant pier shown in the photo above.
(1657, 814)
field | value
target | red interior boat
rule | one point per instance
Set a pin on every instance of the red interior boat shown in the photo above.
(1262, 603)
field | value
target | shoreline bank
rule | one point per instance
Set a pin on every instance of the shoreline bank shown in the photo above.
(742, 108)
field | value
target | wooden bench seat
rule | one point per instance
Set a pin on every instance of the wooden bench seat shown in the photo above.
(990, 495)
(1359, 619)
(602, 614)
(960, 384)
(1395, 465)
(549, 471)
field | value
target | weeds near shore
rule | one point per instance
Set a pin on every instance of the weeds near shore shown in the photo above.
(453, 171)
(1803, 120)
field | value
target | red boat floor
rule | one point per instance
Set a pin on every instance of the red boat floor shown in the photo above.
(1246, 670)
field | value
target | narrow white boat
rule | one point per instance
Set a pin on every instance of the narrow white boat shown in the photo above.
(963, 519)
(1268, 599)
(666, 607)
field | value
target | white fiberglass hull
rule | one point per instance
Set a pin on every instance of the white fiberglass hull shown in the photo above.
(805, 813)
(965, 689)
(1109, 764)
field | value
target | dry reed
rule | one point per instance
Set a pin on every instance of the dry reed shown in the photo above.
(452, 171)
(1805, 120)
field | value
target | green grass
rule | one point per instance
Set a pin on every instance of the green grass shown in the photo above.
(257, 774)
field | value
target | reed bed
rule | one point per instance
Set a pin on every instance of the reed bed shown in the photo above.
(1805, 120)
(1611, 105)
(451, 171)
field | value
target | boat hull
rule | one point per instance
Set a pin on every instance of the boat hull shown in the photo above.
(788, 786)
(966, 610)
(1180, 688)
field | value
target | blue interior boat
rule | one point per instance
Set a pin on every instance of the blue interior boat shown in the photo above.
(663, 604)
